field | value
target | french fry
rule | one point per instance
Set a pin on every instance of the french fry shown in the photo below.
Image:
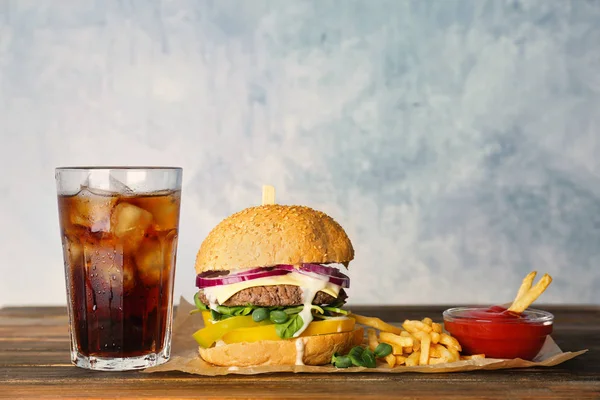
(473, 357)
(376, 323)
(391, 360)
(372, 337)
(435, 351)
(388, 337)
(415, 326)
(449, 341)
(425, 344)
(525, 285)
(441, 352)
(455, 354)
(396, 350)
(413, 359)
(416, 345)
(421, 337)
(419, 343)
(521, 304)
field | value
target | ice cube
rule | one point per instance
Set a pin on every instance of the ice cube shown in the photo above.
(155, 258)
(150, 261)
(109, 272)
(92, 210)
(129, 223)
(104, 183)
(101, 267)
(163, 206)
(115, 185)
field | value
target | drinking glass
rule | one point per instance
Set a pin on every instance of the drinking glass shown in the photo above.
(119, 228)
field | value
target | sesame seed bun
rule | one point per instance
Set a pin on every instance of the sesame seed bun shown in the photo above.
(274, 234)
(317, 350)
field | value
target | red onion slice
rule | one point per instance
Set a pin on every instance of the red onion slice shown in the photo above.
(203, 281)
(334, 276)
(286, 267)
(323, 270)
(343, 282)
(217, 278)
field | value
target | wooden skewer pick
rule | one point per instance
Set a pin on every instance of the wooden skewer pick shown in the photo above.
(268, 195)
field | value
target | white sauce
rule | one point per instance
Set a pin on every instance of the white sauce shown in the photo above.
(220, 343)
(234, 368)
(309, 283)
(211, 296)
(313, 283)
(300, 351)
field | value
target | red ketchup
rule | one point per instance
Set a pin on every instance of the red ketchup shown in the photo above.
(497, 332)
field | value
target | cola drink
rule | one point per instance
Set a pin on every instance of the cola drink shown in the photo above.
(119, 251)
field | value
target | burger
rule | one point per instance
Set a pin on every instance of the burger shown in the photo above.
(271, 289)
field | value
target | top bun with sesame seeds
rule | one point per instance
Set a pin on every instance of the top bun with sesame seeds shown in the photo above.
(274, 234)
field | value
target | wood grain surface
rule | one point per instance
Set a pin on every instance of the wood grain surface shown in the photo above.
(34, 363)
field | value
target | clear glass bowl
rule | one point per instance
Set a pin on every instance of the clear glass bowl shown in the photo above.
(499, 335)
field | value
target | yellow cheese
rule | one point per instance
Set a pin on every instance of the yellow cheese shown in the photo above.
(224, 292)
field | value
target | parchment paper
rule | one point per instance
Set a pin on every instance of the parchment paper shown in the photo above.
(184, 356)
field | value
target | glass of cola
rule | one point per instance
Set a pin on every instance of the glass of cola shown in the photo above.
(119, 228)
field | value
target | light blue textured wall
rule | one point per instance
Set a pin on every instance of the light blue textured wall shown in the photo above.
(457, 142)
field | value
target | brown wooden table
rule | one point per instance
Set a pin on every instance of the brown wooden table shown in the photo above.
(34, 363)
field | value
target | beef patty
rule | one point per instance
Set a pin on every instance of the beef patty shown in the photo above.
(274, 296)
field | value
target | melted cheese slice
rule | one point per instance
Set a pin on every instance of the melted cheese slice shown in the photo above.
(220, 294)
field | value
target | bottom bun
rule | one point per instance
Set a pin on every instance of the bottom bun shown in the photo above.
(315, 350)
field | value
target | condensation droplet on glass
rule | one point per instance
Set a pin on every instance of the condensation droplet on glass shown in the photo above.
(94, 307)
